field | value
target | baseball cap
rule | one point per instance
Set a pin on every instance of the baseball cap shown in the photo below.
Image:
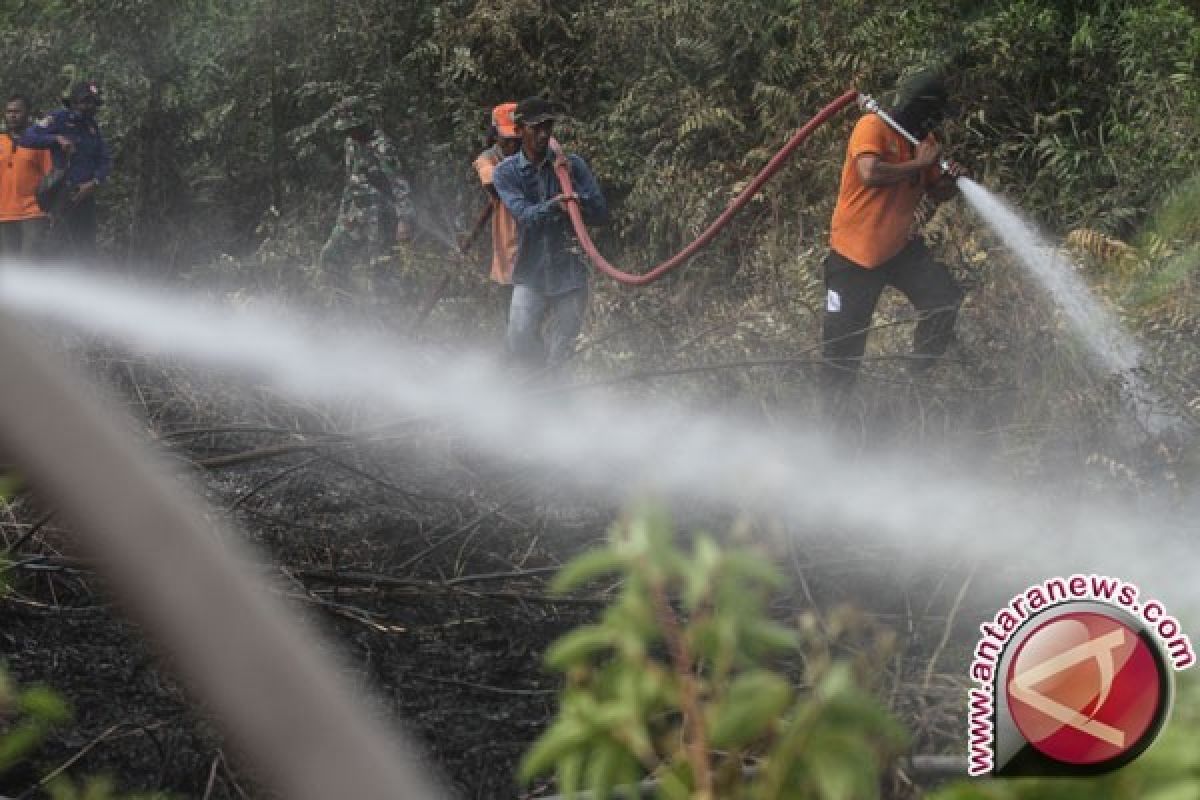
(502, 119)
(85, 89)
(533, 110)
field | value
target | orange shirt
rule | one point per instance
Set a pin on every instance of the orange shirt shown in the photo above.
(504, 226)
(872, 224)
(20, 171)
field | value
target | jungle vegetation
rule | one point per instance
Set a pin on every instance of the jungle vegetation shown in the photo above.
(1082, 111)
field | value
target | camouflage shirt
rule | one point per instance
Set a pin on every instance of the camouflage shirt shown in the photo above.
(373, 177)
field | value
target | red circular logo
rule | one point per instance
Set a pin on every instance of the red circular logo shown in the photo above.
(1085, 688)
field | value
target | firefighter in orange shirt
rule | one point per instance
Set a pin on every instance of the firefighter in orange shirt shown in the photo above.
(503, 129)
(872, 241)
(23, 224)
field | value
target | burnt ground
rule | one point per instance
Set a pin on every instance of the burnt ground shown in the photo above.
(428, 565)
(433, 589)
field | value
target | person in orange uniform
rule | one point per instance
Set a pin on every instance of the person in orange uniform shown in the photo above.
(22, 224)
(504, 226)
(872, 241)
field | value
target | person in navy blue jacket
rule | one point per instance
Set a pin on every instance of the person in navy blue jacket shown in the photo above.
(73, 136)
(550, 276)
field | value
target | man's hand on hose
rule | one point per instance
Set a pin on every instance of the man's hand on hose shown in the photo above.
(946, 186)
(561, 200)
(927, 153)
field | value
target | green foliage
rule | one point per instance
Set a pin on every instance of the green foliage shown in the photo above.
(1091, 134)
(675, 682)
(94, 789)
(1169, 770)
(1167, 254)
(674, 103)
(29, 715)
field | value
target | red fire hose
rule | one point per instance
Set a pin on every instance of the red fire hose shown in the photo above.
(773, 166)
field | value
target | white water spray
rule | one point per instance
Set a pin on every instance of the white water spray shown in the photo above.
(799, 473)
(1099, 329)
(1096, 325)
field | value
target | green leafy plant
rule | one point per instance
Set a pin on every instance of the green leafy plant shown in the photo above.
(1169, 770)
(675, 682)
(28, 714)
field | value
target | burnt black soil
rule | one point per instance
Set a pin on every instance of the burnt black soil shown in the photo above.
(427, 564)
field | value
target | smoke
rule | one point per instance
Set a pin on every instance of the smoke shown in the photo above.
(891, 498)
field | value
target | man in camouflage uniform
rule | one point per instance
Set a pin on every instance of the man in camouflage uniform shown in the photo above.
(375, 211)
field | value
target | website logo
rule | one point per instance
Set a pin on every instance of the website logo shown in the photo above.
(1075, 678)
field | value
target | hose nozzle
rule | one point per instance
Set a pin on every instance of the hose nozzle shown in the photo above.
(871, 105)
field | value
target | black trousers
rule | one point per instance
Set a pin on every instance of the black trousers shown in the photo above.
(23, 238)
(74, 231)
(851, 293)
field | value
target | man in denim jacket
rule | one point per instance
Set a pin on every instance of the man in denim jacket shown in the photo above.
(550, 277)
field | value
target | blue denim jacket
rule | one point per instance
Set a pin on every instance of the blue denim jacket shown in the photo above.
(549, 257)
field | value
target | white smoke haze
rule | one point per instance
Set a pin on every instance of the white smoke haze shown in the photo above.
(896, 499)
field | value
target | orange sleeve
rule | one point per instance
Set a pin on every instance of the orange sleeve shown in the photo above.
(869, 137)
(871, 224)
